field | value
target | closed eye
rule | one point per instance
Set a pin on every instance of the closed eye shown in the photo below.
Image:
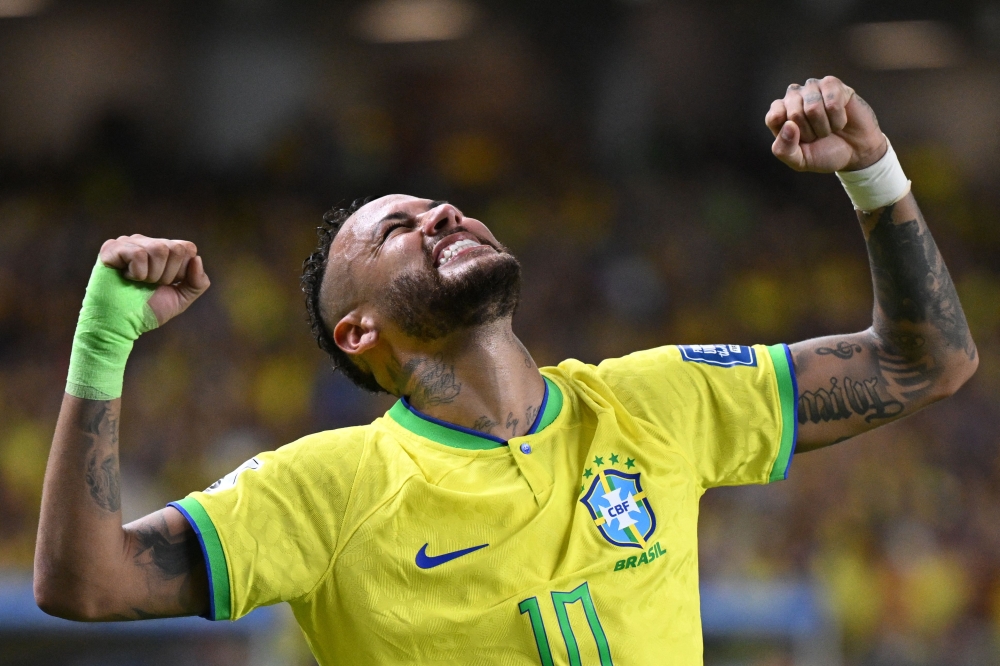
(395, 225)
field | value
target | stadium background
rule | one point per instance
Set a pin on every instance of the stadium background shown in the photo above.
(617, 147)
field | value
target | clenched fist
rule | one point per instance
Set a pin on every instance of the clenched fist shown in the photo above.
(824, 126)
(172, 264)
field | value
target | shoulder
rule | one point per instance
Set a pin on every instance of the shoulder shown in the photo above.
(637, 366)
(682, 362)
(644, 380)
(315, 458)
(326, 443)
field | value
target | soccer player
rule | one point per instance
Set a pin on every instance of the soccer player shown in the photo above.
(498, 513)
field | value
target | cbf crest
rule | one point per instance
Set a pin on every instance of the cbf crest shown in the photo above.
(618, 504)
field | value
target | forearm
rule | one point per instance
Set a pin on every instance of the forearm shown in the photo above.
(87, 565)
(80, 537)
(923, 341)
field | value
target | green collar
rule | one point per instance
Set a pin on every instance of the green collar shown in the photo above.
(450, 434)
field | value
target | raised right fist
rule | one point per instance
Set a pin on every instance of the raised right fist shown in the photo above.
(172, 264)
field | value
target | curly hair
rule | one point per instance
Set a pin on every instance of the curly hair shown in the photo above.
(313, 270)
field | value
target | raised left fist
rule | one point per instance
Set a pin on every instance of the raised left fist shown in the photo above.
(824, 126)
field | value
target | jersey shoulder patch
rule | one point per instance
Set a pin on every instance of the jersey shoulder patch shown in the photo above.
(724, 356)
(229, 480)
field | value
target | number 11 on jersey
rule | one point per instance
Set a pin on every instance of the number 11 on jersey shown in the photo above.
(560, 601)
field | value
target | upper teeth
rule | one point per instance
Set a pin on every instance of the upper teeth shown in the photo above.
(452, 250)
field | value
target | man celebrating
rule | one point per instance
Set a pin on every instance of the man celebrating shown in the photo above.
(498, 513)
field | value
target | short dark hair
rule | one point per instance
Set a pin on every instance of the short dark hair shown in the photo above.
(313, 270)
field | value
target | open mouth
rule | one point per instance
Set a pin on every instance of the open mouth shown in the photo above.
(455, 249)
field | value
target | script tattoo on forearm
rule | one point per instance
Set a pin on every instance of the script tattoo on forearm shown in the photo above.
(103, 477)
(425, 381)
(843, 399)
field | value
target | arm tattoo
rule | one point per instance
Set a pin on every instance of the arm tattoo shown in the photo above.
(425, 381)
(171, 556)
(104, 482)
(843, 350)
(912, 287)
(846, 398)
(103, 477)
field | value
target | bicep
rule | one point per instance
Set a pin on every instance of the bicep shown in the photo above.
(165, 567)
(849, 384)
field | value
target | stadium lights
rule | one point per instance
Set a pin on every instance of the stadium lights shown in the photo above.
(19, 8)
(398, 21)
(899, 45)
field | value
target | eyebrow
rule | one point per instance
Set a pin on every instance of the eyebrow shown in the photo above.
(403, 215)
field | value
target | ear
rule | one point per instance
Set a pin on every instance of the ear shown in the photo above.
(355, 334)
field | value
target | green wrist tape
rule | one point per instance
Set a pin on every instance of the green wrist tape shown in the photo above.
(114, 314)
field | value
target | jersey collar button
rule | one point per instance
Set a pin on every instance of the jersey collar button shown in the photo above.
(526, 448)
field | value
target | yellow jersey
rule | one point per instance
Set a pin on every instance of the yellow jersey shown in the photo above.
(415, 541)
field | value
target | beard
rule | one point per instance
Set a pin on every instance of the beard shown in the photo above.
(427, 306)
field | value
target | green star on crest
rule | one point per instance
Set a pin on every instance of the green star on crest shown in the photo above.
(630, 463)
(587, 473)
(614, 458)
(598, 460)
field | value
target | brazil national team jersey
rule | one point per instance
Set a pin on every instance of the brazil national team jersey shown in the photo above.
(414, 541)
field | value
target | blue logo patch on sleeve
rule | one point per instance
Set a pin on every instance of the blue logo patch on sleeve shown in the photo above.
(724, 356)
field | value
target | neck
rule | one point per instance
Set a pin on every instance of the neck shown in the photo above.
(483, 379)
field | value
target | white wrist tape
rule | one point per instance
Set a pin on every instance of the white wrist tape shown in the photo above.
(877, 186)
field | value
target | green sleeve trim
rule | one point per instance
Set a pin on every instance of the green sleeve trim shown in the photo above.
(784, 372)
(215, 557)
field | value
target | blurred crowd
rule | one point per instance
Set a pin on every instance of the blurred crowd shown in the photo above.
(641, 215)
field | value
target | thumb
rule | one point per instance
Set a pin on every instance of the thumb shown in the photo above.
(170, 300)
(195, 282)
(786, 146)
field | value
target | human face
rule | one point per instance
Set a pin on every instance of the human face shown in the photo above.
(427, 267)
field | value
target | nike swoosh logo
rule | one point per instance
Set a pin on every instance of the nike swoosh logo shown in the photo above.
(425, 561)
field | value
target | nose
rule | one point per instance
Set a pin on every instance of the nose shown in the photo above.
(440, 218)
